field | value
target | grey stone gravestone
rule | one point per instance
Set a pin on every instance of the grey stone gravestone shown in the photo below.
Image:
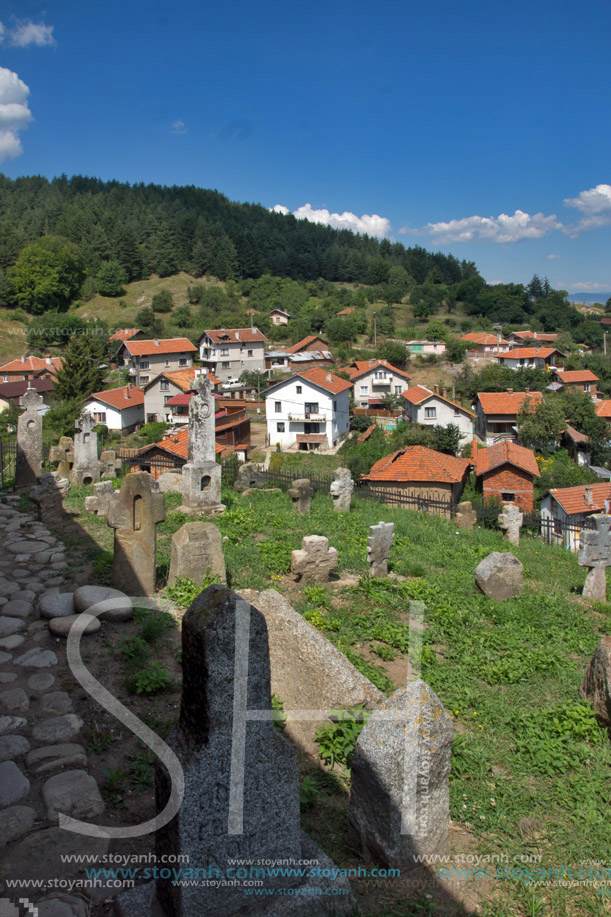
(380, 541)
(499, 576)
(341, 489)
(103, 493)
(315, 561)
(201, 476)
(133, 513)
(595, 553)
(510, 523)
(249, 477)
(28, 463)
(63, 454)
(301, 493)
(197, 551)
(86, 468)
(466, 517)
(596, 687)
(111, 465)
(48, 496)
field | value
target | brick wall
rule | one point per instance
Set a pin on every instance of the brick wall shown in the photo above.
(508, 479)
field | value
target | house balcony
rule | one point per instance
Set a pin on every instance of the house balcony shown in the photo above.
(310, 416)
(381, 383)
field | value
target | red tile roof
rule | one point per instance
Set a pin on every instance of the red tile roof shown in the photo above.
(361, 367)
(325, 379)
(311, 338)
(420, 393)
(603, 408)
(536, 336)
(507, 402)
(527, 353)
(32, 364)
(506, 453)
(233, 335)
(176, 444)
(577, 375)
(417, 463)
(124, 334)
(572, 499)
(167, 345)
(183, 378)
(483, 338)
(118, 397)
(348, 311)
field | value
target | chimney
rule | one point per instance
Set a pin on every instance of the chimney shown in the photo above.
(372, 362)
(48, 359)
(23, 358)
(587, 497)
(436, 389)
(156, 342)
(527, 389)
(329, 376)
(510, 391)
(127, 391)
(237, 335)
(445, 393)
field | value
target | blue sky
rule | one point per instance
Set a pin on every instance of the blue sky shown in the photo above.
(480, 129)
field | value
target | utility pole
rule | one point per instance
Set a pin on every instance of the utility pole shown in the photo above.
(375, 331)
(605, 333)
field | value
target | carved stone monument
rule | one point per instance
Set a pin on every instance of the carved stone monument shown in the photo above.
(133, 513)
(197, 551)
(595, 553)
(102, 495)
(315, 561)
(466, 517)
(48, 496)
(380, 541)
(510, 523)
(86, 468)
(28, 464)
(249, 477)
(201, 476)
(241, 782)
(341, 490)
(301, 493)
(111, 465)
(63, 454)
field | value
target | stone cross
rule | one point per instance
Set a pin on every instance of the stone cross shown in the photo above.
(399, 796)
(510, 522)
(201, 476)
(301, 493)
(341, 490)
(249, 477)
(241, 781)
(133, 513)
(466, 517)
(111, 465)
(63, 454)
(315, 561)
(197, 551)
(86, 468)
(380, 541)
(99, 503)
(28, 465)
(595, 553)
(48, 496)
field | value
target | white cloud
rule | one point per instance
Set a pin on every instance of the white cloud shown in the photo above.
(595, 204)
(31, 33)
(14, 113)
(587, 286)
(552, 257)
(372, 224)
(504, 228)
(179, 127)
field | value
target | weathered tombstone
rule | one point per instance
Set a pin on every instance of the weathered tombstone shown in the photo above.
(86, 468)
(133, 513)
(301, 493)
(28, 464)
(48, 496)
(466, 517)
(596, 687)
(399, 796)
(111, 465)
(249, 477)
(315, 561)
(499, 576)
(170, 482)
(102, 495)
(197, 551)
(341, 489)
(201, 476)
(241, 783)
(595, 553)
(63, 454)
(510, 523)
(380, 541)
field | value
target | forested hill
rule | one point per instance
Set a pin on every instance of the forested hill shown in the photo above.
(154, 229)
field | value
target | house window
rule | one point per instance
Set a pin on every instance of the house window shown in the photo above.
(311, 407)
(586, 387)
(5, 378)
(430, 413)
(299, 389)
(398, 389)
(225, 365)
(277, 407)
(335, 405)
(100, 416)
(144, 380)
(280, 427)
(250, 353)
(165, 385)
(364, 389)
(144, 364)
(182, 361)
(224, 351)
(166, 398)
(167, 362)
(508, 498)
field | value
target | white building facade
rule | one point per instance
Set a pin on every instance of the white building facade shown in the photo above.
(229, 352)
(308, 411)
(433, 409)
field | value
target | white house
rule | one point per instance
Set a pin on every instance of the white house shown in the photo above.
(434, 409)
(373, 379)
(547, 358)
(229, 352)
(118, 408)
(308, 410)
(564, 511)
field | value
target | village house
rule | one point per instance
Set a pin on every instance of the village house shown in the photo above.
(424, 348)
(507, 471)
(349, 310)
(420, 475)
(484, 344)
(118, 408)
(522, 338)
(124, 334)
(547, 358)
(496, 414)
(279, 317)
(11, 392)
(169, 454)
(146, 359)
(229, 352)
(308, 410)
(603, 409)
(564, 511)
(28, 367)
(164, 387)
(582, 379)
(373, 380)
(434, 409)
(577, 445)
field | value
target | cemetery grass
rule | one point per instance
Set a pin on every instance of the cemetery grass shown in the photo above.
(530, 765)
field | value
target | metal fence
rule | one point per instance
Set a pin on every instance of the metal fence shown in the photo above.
(8, 460)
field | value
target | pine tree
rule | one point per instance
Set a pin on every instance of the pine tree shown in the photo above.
(81, 372)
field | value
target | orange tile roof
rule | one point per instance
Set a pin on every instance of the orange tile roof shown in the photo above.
(506, 453)
(167, 345)
(318, 376)
(32, 364)
(118, 397)
(577, 375)
(603, 408)
(417, 463)
(361, 367)
(420, 393)
(484, 338)
(304, 343)
(123, 334)
(507, 402)
(184, 378)
(572, 499)
(176, 444)
(233, 335)
(535, 336)
(348, 311)
(525, 353)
